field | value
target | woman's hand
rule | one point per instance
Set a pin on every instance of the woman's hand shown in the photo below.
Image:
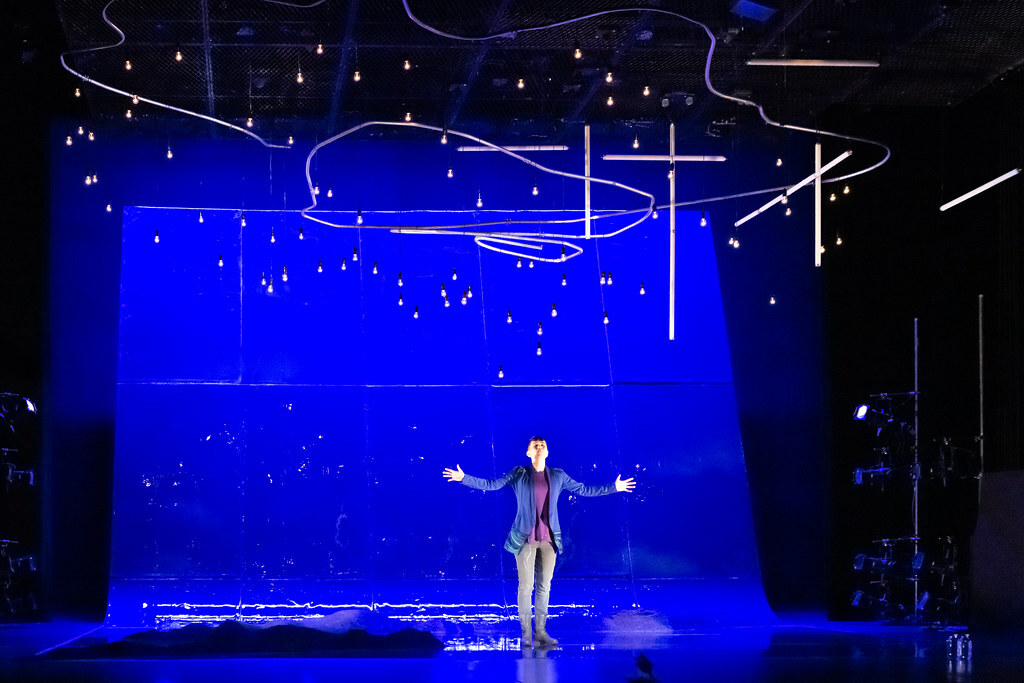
(623, 484)
(458, 475)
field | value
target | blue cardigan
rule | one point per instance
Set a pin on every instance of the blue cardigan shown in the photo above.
(526, 512)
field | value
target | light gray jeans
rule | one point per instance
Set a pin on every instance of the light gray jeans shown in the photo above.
(535, 559)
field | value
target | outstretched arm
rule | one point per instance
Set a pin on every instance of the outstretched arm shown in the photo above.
(476, 482)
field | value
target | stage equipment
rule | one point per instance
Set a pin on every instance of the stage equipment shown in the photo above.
(14, 407)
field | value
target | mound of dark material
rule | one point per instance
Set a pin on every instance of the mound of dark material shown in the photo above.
(231, 638)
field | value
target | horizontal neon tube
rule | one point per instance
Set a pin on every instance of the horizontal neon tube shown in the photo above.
(864, 63)
(660, 157)
(515, 148)
(979, 190)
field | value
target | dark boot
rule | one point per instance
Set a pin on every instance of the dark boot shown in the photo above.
(543, 639)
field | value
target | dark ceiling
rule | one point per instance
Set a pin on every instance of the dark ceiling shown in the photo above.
(242, 58)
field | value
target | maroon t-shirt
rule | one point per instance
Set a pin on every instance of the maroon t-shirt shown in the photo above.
(541, 530)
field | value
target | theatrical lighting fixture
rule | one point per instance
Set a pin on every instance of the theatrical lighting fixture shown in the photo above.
(978, 190)
(642, 290)
(867, 63)
(501, 373)
(156, 237)
(554, 311)
(177, 56)
(647, 90)
(357, 77)
(320, 266)
(400, 283)
(531, 263)
(821, 248)
(520, 84)
(540, 329)
(284, 274)
(301, 234)
(415, 311)
(538, 349)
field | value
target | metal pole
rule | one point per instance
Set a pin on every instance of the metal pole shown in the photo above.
(981, 395)
(916, 472)
(672, 233)
(586, 183)
(817, 204)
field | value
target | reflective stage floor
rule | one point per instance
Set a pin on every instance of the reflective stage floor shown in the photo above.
(799, 646)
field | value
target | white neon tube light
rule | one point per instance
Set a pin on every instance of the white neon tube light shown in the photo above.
(792, 190)
(660, 157)
(863, 63)
(980, 189)
(514, 148)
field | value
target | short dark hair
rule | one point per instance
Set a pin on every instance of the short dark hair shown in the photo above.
(538, 438)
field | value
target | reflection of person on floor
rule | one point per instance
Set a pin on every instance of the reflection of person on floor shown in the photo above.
(535, 537)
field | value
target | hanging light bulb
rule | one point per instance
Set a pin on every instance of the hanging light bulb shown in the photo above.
(248, 122)
(732, 240)
(95, 179)
(272, 238)
(647, 90)
(344, 264)
(508, 318)
(127, 65)
(465, 298)
(540, 329)
(839, 241)
(330, 192)
(636, 142)
(128, 114)
(201, 217)
(610, 101)
(374, 267)
(298, 78)
(400, 282)
(444, 137)
(88, 179)
(415, 311)
(355, 254)
(320, 266)
(789, 211)
(520, 84)
(243, 219)
(531, 263)
(291, 140)
(846, 189)
(832, 197)
(135, 99)
(554, 311)
(177, 56)
(263, 280)
(469, 291)
(655, 215)
(609, 277)
(406, 65)
(736, 244)
(316, 189)
(563, 254)
(408, 116)
(535, 191)
(68, 142)
(606, 317)
(270, 286)
(479, 200)
(91, 136)
(170, 154)
(785, 199)
(284, 274)
(156, 236)
(401, 302)
(519, 262)
(642, 290)
(450, 172)
(319, 48)
(778, 161)
(357, 76)
(447, 304)
(109, 208)
(443, 292)
(220, 260)
(359, 218)
(501, 373)
(771, 300)
(81, 130)
(604, 277)
(455, 274)
(538, 349)
(671, 172)
(302, 235)
(703, 220)
(821, 248)
(564, 281)
(608, 78)
(78, 92)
